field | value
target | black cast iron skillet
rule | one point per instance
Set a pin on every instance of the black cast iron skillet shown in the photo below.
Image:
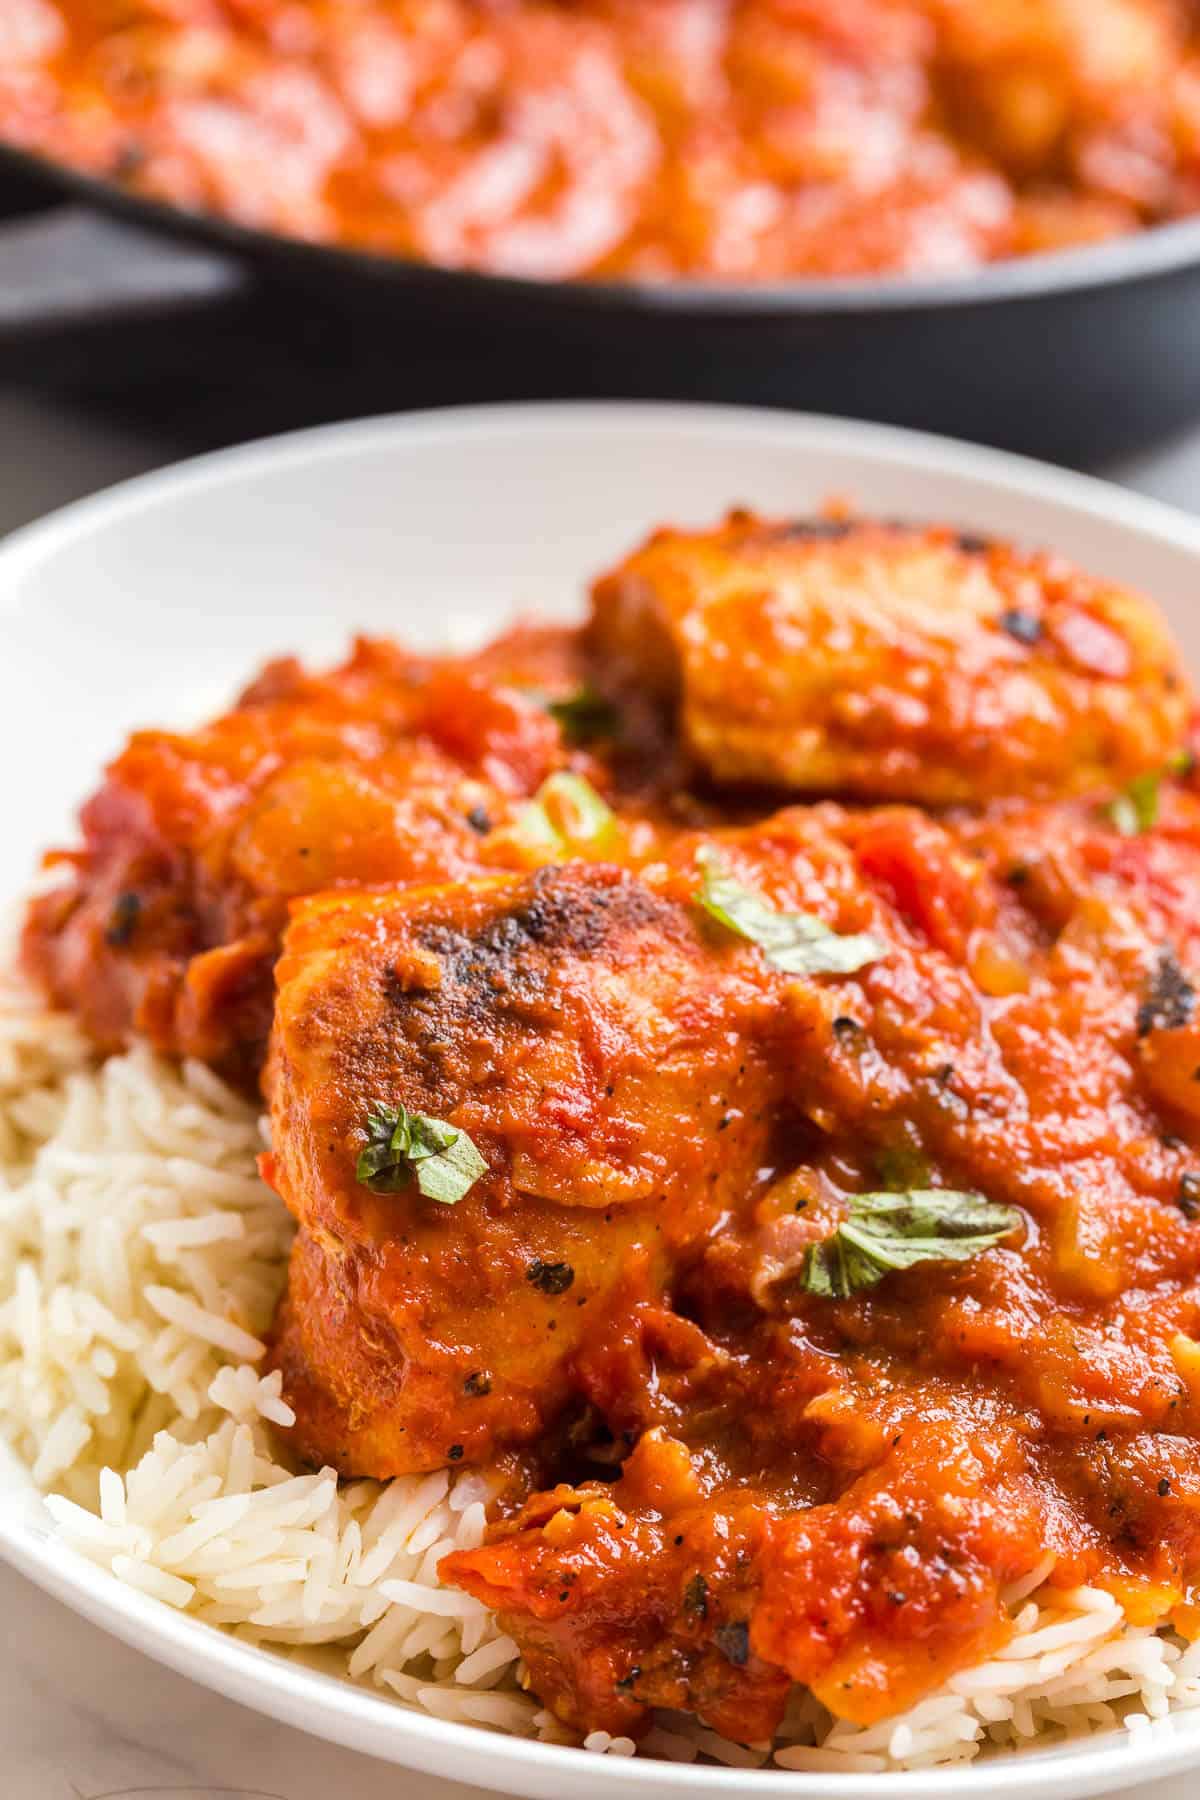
(1080, 355)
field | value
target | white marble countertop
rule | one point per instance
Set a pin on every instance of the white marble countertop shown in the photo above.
(81, 1716)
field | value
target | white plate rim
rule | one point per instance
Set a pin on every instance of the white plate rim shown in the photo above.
(359, 1718)
(1003, 470)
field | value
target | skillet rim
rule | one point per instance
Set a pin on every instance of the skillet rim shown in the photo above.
(1155, 252)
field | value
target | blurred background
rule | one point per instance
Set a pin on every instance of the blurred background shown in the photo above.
(225, 218)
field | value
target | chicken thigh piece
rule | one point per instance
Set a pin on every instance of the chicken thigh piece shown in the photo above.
(392, 769)
(571, 1025)
(891, 662)
(1055, 90)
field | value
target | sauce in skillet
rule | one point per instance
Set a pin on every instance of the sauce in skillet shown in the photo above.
(746, 140)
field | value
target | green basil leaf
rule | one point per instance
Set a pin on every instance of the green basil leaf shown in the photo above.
(403, 1146)
(585, 715)
(798, 943)
(884, 1232)
(452, 1172)
(429, 1137)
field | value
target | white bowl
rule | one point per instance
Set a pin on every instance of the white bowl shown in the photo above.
(153, 603)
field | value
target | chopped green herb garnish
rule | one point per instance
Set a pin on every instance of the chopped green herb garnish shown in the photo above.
(402, 1146)
(585, 715)
(795, 942)
(883, 1232)
(1135, 808)
(565, 811)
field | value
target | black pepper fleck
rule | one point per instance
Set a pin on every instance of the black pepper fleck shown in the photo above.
(1170, 998)
(122, 920)
(550, 1277)
(695, 1597)
(1026, 627)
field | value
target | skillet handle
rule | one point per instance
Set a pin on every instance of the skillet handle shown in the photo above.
(71, 268)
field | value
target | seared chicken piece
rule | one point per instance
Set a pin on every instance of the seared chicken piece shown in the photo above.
(571, 1023)
(630, 1066)
(392, 769)
(1046, 88)
(837, 656)
(822, 656)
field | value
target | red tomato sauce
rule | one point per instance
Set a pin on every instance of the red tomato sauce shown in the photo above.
(746, 140)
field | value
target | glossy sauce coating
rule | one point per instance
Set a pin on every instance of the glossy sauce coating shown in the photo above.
(715, 1482)
(569, 1022)
(745, 140)
(855, 1482)
(392, 769)
(830, 656)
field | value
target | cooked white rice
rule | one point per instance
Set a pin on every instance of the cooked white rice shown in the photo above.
(140, 1260)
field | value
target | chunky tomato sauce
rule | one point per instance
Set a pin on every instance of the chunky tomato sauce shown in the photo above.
(741, 139)
(594, 1064)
